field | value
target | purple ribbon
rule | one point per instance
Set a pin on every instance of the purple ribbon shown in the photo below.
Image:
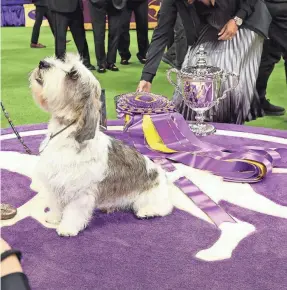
(233, 165)
(176, 135)
(203, 201)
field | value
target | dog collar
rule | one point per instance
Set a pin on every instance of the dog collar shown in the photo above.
(54, 135)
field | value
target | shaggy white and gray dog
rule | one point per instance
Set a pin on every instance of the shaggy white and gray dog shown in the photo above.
(80, 168)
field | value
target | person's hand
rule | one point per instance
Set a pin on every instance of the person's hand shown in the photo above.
(228, 31)
(144, 86)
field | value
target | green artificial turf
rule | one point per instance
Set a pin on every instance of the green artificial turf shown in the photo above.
(18, 59)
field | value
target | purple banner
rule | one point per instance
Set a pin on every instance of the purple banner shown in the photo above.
(15, 2)
(12, 15)
(152, 14)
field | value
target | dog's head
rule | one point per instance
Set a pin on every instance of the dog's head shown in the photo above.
(69, 92)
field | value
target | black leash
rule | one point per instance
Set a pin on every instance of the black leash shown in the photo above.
(54, 135)
(27, 149)
(15, 130)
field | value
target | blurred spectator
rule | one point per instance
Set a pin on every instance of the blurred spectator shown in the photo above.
(140, 10)
(41, 12)
(99, 10)
(273, 50)
(69, 13)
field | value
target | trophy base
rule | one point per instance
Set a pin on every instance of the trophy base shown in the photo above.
(204, 129)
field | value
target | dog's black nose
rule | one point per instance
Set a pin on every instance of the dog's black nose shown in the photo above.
(43, 64)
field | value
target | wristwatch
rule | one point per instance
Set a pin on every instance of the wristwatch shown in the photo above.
(238, 20)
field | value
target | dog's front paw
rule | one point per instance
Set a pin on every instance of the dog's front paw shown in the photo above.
(53, 218)
(67, 231)
(146, 212)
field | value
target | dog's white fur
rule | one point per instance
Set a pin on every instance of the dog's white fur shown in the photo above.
(70, 171)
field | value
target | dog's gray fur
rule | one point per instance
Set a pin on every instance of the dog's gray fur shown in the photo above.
(127, 173)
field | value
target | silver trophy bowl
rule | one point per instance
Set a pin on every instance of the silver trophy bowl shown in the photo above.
(201, 88)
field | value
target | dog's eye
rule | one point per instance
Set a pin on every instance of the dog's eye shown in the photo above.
(43, 64)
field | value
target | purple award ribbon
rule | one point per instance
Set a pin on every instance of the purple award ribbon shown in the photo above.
(176, 135)
(203, 201)
(246, 164)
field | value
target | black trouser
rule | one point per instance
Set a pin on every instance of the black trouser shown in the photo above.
(275, 47)
(272, 54)
(176, 53)
(98, 16)
(170, 40)
(75, 21)
(166, 21)
(41, 11)
(140, 10)
(285, 59)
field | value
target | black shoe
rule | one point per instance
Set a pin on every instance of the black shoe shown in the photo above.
(101, 69)
(141, 59)
(125, 62)
(272, 110)
(90, 67)
(112, 67)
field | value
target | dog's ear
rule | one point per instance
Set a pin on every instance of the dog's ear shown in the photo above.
(88, 121)
(73, 74)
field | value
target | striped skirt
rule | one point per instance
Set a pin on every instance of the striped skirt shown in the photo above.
(242, 56)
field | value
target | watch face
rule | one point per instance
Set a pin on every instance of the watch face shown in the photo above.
(238, 21)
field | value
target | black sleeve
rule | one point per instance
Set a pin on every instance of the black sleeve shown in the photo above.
(15, 281)
(166, 22)
(246, 8)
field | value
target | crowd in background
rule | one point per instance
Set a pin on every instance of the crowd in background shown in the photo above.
(251, 32)
(64, 14)
(246, 37)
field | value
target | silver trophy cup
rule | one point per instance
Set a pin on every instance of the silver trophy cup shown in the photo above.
(201, 88)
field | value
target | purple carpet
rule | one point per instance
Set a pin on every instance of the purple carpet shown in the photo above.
(117, 251)
(18, 191)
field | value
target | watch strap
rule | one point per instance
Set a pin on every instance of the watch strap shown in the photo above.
(11, 252)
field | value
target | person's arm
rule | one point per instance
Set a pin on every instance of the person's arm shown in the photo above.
(12, 276)
(246, 8)
(166, 22)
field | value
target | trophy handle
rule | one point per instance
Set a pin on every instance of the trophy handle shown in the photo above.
(168, 75)
(234, 84)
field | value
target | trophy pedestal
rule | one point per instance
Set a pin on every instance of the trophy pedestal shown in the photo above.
(203, 129)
